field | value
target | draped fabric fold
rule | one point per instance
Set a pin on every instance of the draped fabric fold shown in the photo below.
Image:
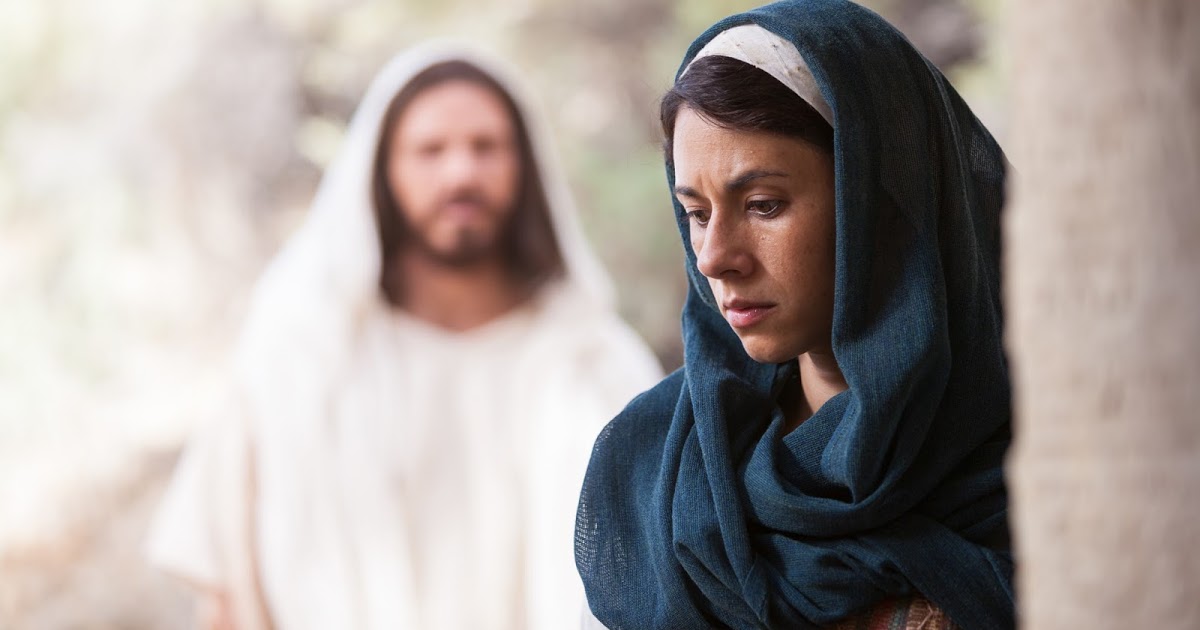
(698, 511)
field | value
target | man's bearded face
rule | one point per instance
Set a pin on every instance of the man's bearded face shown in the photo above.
(453, 171)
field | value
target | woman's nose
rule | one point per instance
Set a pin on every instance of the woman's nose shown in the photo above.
(720, 251)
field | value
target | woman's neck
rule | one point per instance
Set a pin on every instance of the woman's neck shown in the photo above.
(820, 380)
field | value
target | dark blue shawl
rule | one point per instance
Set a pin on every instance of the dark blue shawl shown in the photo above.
(697, 512)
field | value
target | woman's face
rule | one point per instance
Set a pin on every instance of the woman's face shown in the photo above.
(761, 211)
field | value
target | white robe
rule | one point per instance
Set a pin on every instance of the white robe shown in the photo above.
(377, 473)
(445, 492)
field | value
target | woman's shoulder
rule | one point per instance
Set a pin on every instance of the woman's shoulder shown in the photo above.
(615, 503)
(641, 427)
(661, 399)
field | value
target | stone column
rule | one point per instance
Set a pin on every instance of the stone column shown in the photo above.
(1102, 288)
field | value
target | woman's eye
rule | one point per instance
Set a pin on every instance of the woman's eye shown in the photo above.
(765, 207)
(699, 217)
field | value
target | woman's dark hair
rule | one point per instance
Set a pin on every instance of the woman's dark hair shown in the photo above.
(736, 95)
(530, 245)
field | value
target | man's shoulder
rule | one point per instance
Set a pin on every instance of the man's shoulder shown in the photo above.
(660, 399)
(574, 326)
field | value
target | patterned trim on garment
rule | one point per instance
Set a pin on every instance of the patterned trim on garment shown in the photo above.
(917, 613)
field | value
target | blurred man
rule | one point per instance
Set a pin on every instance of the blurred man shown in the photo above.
(423, 372)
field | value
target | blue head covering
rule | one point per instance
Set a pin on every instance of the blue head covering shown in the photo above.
(699, 512)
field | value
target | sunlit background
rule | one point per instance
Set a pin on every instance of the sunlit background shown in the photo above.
(153, 155)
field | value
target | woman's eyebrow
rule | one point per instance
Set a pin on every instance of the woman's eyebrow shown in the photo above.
(743, 180)
(733, 185)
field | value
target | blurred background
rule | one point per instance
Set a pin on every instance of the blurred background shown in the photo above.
(154, 155)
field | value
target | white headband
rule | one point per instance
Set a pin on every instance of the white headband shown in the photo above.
(755, 45)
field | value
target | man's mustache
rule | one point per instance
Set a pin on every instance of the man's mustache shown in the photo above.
(467, 196)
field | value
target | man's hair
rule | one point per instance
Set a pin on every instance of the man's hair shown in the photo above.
(736, 95)
(529, 245)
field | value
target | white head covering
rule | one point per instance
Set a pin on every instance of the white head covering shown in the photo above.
(330, 268)
(315, 292)
(755, 45)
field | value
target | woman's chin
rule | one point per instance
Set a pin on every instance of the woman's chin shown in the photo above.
(766, 350)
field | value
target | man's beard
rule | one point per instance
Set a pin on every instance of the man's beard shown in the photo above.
(471, 246)
(470, 249)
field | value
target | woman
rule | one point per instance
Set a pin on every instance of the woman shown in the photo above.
(831, 451)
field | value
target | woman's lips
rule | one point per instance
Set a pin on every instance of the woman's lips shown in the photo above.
(746, 314)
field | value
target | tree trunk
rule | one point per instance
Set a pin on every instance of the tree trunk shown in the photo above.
(1103, 296)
